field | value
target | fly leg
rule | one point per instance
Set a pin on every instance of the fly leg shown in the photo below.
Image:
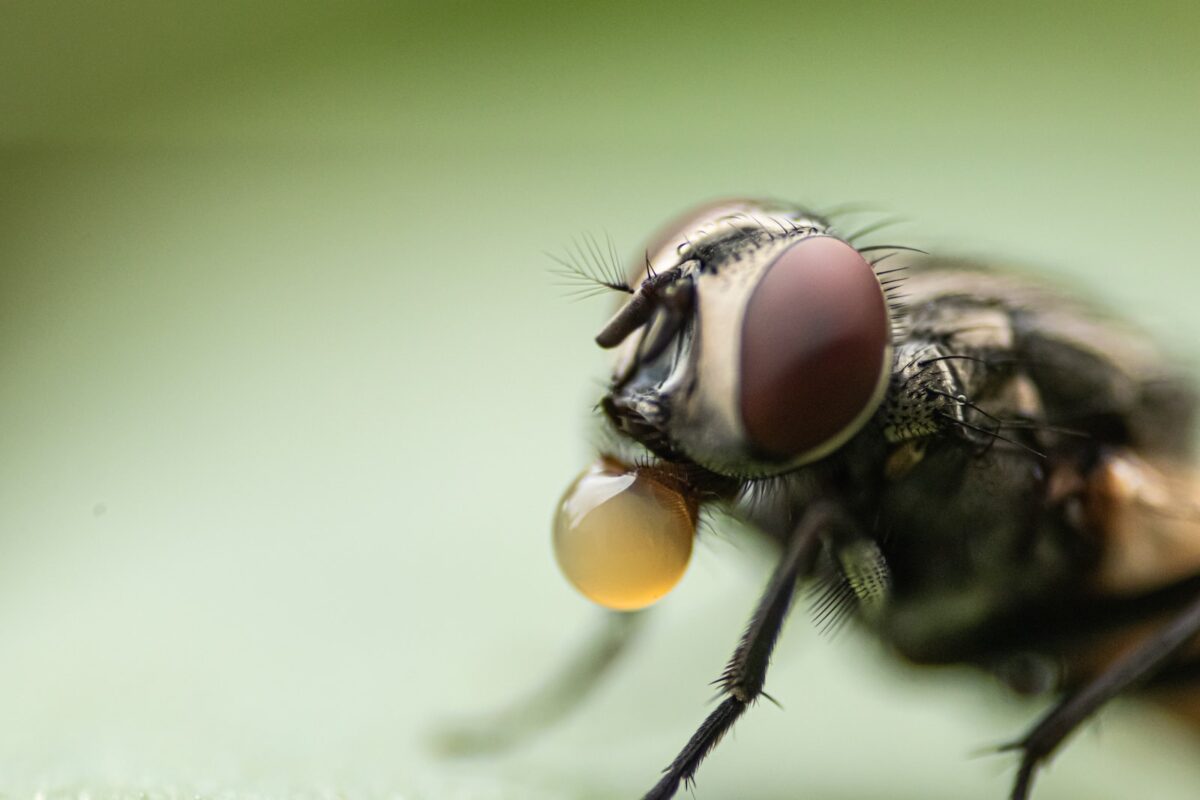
(744, 675)
(1135, 667)
(563, 692)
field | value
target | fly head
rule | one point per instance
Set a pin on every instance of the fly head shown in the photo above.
(755, 342)
(758, 342)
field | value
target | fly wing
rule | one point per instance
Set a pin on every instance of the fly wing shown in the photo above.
(1094, 373)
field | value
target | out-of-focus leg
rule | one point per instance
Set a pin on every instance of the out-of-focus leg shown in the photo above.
(553, 700)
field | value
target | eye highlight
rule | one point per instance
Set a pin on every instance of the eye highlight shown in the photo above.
(622, 535)
(814, 349)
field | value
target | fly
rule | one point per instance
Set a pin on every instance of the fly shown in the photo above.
(979, 468)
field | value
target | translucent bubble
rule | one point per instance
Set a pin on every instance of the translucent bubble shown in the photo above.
(622, 536)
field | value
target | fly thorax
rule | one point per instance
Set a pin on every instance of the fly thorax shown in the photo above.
(924, 393)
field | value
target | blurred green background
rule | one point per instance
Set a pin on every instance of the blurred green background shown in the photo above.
(288, 396)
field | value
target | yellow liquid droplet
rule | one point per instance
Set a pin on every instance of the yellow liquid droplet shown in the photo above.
(621, 537)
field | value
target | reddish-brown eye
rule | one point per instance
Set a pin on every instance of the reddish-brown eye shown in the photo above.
(815, 339)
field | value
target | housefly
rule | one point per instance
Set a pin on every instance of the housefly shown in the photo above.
(979, 468)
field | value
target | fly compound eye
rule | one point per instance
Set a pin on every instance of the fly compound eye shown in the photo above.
(815, 350)
(622, 535)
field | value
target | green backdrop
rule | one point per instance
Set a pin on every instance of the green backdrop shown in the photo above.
(288, 397)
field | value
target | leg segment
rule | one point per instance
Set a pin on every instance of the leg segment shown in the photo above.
(742, 680)
(552, 701)
(1137, 666)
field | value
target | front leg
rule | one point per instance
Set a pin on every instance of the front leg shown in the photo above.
(742, 680)
(1135, 667)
